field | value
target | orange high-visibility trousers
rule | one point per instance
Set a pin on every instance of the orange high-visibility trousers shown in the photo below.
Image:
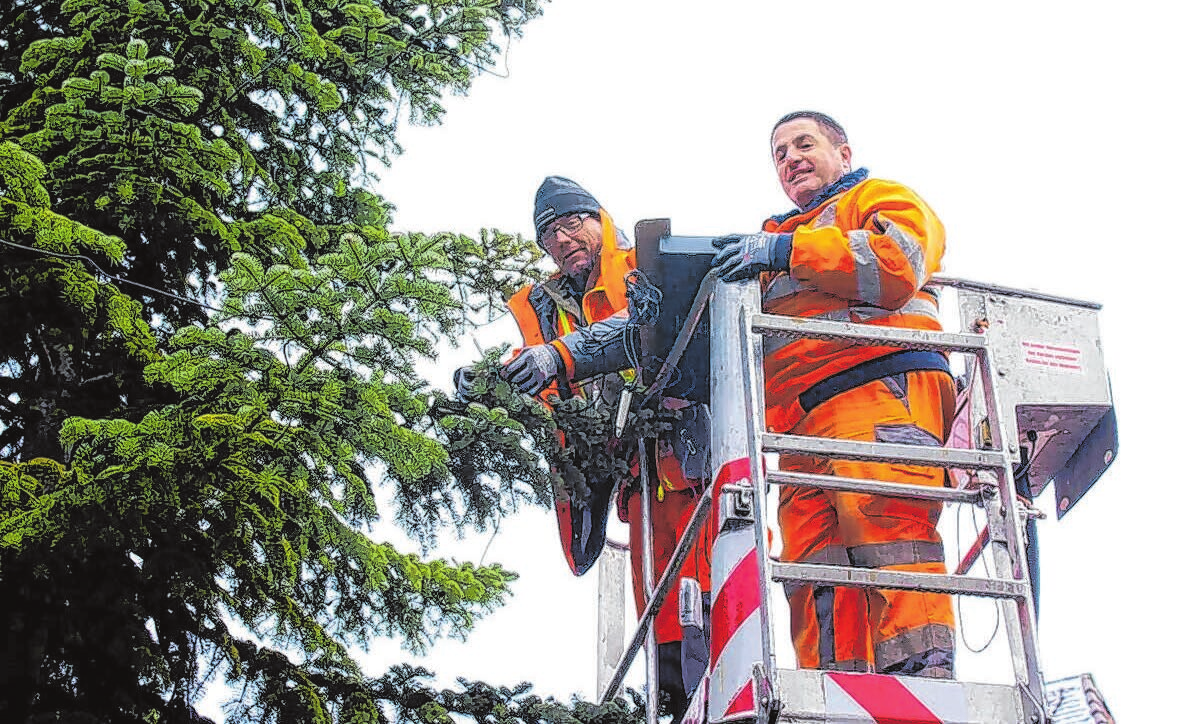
(670, 511)
(887, 631)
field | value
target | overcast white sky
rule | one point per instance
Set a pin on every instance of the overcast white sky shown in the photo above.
(1057, 142)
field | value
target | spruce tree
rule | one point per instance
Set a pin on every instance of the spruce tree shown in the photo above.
(209, 337)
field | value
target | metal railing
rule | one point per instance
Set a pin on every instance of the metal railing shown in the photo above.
(739, 432)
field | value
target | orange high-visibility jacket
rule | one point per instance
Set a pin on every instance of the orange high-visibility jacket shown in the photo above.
(544, 314)
(864, 255)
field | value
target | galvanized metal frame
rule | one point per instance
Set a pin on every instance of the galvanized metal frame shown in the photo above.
(735, 666)
(865, 334)
(752, 357)
(736, 400)
(610, 612)
(973, 286)
(1008, 550)
(648, 584)
(885, 452)
(1006, 516)
(874, 487)
(1050, 375)
(902, 580)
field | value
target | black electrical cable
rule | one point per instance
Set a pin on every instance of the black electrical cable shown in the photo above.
(111, 277)
(987, 573)
(645, 306)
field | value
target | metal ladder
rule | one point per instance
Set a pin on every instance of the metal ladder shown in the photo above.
(743, 681)
(808, 695)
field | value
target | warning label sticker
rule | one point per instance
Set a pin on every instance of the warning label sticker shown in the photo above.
(1052, 357)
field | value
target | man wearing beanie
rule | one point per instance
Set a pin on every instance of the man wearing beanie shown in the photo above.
(573, 327)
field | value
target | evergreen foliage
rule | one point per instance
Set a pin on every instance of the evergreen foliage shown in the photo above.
(571, 442)
(419, 704)
(188, 477)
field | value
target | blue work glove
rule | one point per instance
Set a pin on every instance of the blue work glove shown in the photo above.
(743, 256)
(533, 369)
(463, 377)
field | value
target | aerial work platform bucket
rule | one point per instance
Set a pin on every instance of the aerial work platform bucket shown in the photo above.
(1057, 404)
(1044, 414)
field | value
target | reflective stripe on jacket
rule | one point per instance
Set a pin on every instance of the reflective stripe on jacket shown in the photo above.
(863, 256)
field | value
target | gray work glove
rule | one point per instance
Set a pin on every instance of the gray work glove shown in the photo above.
(743, 256)
(463, 377)
(533, 369)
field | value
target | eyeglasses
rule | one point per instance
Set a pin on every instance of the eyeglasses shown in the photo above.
(569, 226)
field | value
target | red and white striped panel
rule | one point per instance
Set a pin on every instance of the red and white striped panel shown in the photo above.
(859, 698)
(736, 619)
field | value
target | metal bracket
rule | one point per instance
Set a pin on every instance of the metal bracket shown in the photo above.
(766, 696)
(1031, 706)
(995, 513)
(737, 506)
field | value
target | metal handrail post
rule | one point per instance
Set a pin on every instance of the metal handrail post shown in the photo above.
(687, 542)
(610, 611)
(1009, 551)
(648, 586)
(752, 356)
(1004, 512)
(739, 660)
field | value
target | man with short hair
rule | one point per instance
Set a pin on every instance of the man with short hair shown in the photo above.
(855, 249)
(573, 327)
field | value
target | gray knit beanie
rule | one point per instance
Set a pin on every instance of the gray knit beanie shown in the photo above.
(558, 196)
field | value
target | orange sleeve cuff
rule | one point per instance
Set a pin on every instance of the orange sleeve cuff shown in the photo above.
(568, 362)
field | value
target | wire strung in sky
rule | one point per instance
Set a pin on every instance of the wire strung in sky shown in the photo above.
(106, 275)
